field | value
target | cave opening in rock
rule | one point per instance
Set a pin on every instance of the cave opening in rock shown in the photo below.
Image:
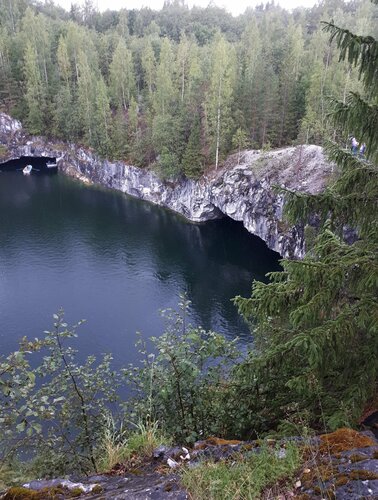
(226, 231)
(39, 164)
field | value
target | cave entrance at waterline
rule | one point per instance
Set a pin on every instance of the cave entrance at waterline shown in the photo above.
(39, 164)
(219, 237)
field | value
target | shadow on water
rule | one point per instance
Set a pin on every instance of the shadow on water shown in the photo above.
(116, 261)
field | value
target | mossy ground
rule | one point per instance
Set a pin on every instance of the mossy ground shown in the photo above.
(242, 477)
(321, 472)
(344, 439)
(263, 469)
(54, 493)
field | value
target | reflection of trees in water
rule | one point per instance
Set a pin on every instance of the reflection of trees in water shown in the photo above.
(212, 262)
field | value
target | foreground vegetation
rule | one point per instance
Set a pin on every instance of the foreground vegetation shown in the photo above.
(242, 477)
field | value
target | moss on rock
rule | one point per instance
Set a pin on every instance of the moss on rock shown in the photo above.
(344, 439)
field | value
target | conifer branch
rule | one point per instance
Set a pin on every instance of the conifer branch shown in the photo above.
(359, 51)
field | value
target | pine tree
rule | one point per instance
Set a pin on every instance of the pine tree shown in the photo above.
(182, 63)
(5, 67)
(120, 146)
(102, 119)
(149, 65)
(86, 97)
(164, 83)
(239, 141)
(65, 112)
(317, 332)
(220, 94)
(289, 77)
(250, 80)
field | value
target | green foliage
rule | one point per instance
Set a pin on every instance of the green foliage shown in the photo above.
(13, 472)
(145, 438)
(317, 321)
(112, 447)
(268, 72)
(17, 381)
(360, 116)
(242, 477)
(57, 409)
(192, 162)
(183, 386)
(168, 165)
(146, 91)
(120, 442)
(34, 92)
(239, 141)
(361, 51)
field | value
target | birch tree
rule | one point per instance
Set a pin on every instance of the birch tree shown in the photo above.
(220, 93)
(34, 95)
(122, 79)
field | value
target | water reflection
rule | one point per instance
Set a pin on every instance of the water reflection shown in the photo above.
(115, 261)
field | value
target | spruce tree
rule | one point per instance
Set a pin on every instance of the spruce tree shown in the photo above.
(317, 321)
(192, 161)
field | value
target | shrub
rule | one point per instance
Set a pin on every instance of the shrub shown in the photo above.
(183, 385)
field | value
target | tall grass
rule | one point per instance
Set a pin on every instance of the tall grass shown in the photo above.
(119, 443)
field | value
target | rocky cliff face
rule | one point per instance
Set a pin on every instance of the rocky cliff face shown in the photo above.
(243, 191)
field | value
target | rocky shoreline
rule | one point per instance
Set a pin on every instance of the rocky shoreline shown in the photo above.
(243, 191)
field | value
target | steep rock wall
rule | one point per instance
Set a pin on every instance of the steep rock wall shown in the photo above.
(242, 190)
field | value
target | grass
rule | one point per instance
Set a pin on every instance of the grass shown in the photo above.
(119, 444)
(11, 474)
(3, 151)
(242, 478)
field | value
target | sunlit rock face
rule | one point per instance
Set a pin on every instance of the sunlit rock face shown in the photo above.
(243, 188)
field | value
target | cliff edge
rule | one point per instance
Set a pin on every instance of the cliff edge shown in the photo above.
(243, 188)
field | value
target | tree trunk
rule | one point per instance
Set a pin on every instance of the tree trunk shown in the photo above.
(218, 124)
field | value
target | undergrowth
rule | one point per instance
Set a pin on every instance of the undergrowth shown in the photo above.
(241, 477)
(119, 444)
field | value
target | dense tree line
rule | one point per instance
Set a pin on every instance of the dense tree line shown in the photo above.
(178, 88)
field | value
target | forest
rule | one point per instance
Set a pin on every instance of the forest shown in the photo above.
(176, 89)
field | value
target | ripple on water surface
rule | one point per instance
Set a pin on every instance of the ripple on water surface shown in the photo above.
(114, 261)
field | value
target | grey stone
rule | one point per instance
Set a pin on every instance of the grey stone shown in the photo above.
(244, 192)
(370, 465)
(160, 451)
(65, 483)
(358, 490)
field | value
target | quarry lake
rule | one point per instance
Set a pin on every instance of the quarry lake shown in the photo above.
(114, 261)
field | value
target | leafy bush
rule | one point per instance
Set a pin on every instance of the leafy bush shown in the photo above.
(56, 411)
(183, 385)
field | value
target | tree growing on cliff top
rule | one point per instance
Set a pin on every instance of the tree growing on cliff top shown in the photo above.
(317, 330)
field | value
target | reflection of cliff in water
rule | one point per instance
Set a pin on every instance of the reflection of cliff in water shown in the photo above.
(151, 250)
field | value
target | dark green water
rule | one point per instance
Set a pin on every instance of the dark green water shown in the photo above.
(114, 261)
